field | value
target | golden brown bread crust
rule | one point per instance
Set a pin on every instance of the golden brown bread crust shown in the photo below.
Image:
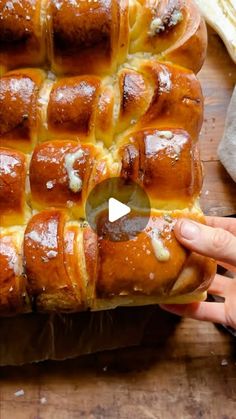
(154, 157)
(149, 157)
(173, 29)
(190, 48)
(49, 178)
(151, 278)
(13, 169)
(69, 269)
(123, 101)
(71, 107)
(92, 109)
(22, 34)
(177, 100)
(18, 108)
(13, 296)
(45, 249)
(51, 175)
(96, 36)
(84, 36)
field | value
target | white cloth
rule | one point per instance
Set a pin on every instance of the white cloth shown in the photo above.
(227, 147)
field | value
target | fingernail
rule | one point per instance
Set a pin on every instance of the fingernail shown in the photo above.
(189, 230)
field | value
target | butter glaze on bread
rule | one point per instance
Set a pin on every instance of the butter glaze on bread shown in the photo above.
(115, 95)
(153, 158)
(96, 36)
(35, 108)
(69, 269)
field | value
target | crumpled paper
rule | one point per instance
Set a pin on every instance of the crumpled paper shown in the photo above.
(227, 147)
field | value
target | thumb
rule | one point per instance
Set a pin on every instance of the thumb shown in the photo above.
(213, 242)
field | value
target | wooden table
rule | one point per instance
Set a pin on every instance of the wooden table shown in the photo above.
(183, 369)
(218, 78)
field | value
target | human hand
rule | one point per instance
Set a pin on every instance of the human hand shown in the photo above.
(218, 241)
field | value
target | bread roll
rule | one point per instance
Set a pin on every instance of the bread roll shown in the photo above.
(68, 268)
(96, 36)
(92, 90)
(152, 158)
(35, 108)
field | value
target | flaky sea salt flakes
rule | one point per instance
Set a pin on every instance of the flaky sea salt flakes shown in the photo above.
(43, 400)
(50, 184)
(224, 362)
(19, 393)
(51, 254)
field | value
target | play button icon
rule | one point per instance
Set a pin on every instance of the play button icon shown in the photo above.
(117, 209)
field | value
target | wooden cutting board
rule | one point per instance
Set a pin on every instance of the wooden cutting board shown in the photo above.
(183, 369)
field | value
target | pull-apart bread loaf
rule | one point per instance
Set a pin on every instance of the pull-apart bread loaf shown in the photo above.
(91, 90)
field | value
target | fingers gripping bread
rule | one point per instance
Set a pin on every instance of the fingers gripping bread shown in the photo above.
(122, 101)
(67, 269)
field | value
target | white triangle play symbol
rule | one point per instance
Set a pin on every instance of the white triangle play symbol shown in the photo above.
(116, 210)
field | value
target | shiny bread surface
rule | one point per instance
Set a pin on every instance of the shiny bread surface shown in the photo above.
(91, 90)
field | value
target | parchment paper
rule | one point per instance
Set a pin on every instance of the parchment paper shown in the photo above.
(37, 337)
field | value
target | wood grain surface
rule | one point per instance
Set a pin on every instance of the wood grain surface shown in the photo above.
(183, 369)
(218, 78)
